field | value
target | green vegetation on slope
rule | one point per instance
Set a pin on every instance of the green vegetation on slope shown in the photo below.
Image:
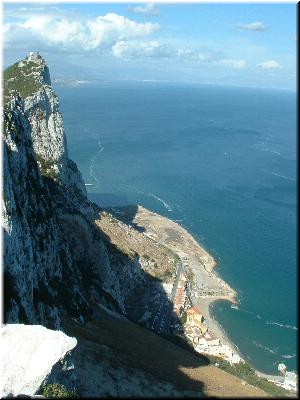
(240, 370)
(248, 374)
(20, 78)
(46, 167)
(56, 390)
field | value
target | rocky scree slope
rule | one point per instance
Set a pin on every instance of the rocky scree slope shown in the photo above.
(56, 259)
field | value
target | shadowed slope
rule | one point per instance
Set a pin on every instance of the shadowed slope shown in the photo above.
(108, 344)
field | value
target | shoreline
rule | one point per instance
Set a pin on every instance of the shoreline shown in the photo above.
(216, 327)
(209, 286)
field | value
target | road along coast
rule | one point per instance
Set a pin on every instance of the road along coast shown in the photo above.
(142, 231)
(204, 284)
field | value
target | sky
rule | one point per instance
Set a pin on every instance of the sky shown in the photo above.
(235, 44)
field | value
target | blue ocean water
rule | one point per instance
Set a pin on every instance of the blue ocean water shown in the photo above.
(222, 162)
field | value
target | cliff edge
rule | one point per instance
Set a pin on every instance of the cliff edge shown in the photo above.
(56, 259)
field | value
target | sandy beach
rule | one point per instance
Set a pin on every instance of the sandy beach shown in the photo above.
(214, 326)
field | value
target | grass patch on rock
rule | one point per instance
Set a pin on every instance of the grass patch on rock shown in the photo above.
(56, 390)
(20, 78)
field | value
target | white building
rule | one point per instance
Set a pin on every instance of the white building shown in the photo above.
(227, 351)
(213, 341)
(291, 381)
(168, 288)
(202, 342)
(235, 359)
(201, 348)
(33, 56)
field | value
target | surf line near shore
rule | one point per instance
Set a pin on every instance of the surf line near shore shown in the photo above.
(206, 285)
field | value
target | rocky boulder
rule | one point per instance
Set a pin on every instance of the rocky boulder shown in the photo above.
(30, 353)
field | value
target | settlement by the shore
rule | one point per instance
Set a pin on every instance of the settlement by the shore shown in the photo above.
(194, 286)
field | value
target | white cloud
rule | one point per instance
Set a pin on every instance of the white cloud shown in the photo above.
(147, 9)
(141, 49)
(236, 64)
(188, 54)
(252, 26)
(108, 35)
(76, 34)
(155, 49)
(269, 64)
(135, 49)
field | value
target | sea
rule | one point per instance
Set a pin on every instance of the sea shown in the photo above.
(222, 162)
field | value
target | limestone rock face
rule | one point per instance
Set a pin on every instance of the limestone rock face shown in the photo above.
(56, 259)
(28, 355)
(30, 245)
(47, 130)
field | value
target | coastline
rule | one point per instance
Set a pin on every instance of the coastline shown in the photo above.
(174, 239)
(215, 326)
(207, 286)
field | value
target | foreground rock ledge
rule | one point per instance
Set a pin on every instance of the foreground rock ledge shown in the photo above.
(28, 354)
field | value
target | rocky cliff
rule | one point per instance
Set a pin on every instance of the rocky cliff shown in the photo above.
(56, 258)
(31, 78)
(67, 261)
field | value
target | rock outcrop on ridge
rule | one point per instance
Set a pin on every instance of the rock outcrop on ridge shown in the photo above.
(31, 79)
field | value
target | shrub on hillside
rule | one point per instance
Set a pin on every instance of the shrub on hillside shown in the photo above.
(248, 374)
(56, 390)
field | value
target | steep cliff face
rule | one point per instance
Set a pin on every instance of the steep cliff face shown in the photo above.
(31, 78)
(56, 259)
